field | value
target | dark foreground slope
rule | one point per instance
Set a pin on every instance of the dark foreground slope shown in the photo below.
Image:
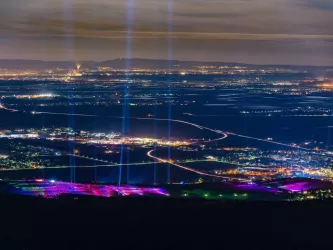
(134, 223)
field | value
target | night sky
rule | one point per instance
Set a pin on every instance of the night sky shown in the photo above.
(250, 31)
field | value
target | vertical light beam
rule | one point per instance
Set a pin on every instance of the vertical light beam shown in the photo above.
(130, 22)
(68, 22)
(170, 52)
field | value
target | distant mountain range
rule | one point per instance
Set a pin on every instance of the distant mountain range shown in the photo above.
(123, 64)
(116, 63)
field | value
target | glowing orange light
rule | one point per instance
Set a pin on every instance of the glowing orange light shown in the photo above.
(326, 85)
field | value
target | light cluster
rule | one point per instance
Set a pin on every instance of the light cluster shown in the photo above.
(298, 185)
(52, 188)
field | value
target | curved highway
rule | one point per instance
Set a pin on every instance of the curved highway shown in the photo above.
(149, 154)
(225, 134)
(3, 107)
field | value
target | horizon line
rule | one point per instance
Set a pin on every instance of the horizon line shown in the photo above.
(164, 59)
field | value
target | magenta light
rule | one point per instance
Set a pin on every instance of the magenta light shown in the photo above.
(39, 187)
(297, 187)
(256, 187)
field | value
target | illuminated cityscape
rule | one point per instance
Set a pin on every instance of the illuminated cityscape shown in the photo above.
(203, 138)
(202, 124)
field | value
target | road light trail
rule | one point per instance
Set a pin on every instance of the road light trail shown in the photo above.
(88, 158)
(149, 154)
(142, 118)
(93, 166)
(225, 134)
(270, 141)
(98, 166)
(3, 107)
(179, 121)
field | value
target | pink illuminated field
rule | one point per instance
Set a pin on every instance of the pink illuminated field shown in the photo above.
(52, 188)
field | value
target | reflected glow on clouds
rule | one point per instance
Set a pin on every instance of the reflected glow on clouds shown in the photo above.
(252, 31)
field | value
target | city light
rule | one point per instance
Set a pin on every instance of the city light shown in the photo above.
(52, 189)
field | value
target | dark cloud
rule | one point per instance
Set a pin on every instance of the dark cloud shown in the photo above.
(326, 5)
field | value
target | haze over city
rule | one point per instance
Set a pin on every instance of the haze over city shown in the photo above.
(166, 124)
(295, 32)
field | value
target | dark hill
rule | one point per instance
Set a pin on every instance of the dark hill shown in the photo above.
(126, 223)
